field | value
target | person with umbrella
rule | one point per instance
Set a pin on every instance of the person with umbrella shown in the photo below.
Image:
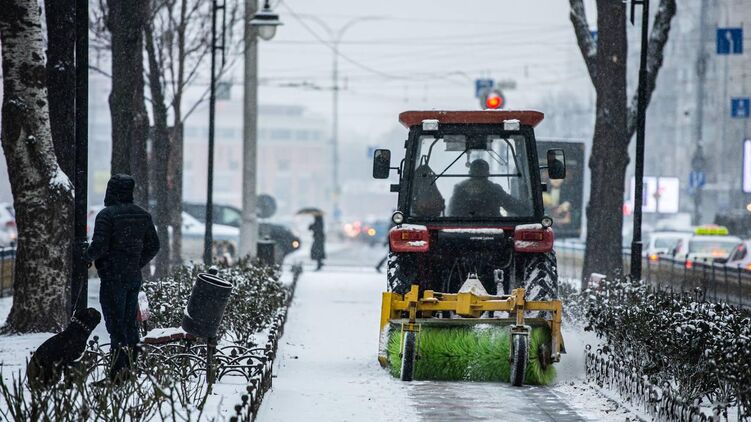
(318, 249)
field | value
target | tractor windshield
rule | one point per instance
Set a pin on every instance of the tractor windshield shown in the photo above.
(471, 176)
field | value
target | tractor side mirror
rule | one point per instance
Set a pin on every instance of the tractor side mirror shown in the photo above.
(556, 164)
(381, 164)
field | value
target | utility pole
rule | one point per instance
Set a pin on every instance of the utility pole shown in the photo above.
(335, 39)
(697, 161)
(335, 125)
(80, 276)
(641, 119)
(249, 225)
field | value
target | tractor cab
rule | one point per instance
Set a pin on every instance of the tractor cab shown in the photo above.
(470, 200)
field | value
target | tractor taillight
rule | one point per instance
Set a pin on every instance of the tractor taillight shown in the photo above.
(409, 238)
(534, 239)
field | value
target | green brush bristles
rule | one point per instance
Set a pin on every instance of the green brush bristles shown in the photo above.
(478, 353)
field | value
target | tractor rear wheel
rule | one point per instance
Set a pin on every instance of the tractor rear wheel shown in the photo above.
(401, 272)
(539, 275)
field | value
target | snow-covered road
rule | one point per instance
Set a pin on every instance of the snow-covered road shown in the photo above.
(327, 370)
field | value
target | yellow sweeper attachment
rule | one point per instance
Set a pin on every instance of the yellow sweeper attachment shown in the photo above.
(467, 343)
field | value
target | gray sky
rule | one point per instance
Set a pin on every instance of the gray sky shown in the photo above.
(419, 54)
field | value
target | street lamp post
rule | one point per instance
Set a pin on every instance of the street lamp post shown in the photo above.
(208, 235)
(335, 38)
(258, 24)
(79, 284)
(641, 118)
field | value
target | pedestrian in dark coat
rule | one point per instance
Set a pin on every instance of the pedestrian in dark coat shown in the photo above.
(318, 250)
(124, 242)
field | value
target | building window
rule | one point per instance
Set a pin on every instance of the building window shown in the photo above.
(279, 134)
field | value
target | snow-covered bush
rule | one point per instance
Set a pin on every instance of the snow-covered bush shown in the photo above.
(256, 296)
(160, 395)
(701, 349)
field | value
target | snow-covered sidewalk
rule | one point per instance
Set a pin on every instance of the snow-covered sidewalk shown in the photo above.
(326, 369)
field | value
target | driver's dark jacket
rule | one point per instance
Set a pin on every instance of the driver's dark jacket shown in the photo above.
(124, 239)
(479, 197)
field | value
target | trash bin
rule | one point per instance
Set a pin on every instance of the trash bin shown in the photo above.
(205, 308)
(267, 251)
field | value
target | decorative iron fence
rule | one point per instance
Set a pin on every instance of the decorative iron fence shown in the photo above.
(710, 280)
(659, 403)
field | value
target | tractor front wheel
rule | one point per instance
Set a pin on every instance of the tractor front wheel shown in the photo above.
(409, 355)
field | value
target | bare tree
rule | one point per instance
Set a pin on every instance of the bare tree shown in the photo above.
(177, 39)
(42, 194)
(615, 121)
(125, 20)
(61, 78)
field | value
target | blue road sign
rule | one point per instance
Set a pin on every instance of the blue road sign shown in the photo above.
(482, 86)
(740, 107)
(729, 40)
(697, 179)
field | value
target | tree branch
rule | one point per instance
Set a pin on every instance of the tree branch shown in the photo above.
(658, 38)
(584, 38)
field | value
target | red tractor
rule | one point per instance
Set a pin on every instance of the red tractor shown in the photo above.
(470, 204)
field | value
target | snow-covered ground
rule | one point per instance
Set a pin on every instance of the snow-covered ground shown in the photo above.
(326, 369)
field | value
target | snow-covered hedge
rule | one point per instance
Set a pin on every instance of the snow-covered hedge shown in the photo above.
(702, 350)
(256, 296)
(169, 387)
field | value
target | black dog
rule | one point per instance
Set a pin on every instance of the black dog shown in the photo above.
(60, 351)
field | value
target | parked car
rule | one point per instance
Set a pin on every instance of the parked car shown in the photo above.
(227, 215)
(741, 256)
(664, 243)
(193, 232)
(8, 232)
(708, 243)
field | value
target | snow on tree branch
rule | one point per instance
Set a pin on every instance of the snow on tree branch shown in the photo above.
(658, 38)
(584, 38)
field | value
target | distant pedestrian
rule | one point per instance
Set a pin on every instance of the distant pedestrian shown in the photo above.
(318, 249)
(124, 242)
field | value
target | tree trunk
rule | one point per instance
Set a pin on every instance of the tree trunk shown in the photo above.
(161, 145)
(610, 144)
(61, 78)
(42, 194)
(175, 191)
(130, 123)
(614, 124)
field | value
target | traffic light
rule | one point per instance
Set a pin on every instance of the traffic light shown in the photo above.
(494, 100)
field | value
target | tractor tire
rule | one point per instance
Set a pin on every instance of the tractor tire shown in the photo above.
(401, 272)
(409, 356)
(519, 358)
(539, 277)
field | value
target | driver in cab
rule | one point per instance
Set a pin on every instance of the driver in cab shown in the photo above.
(479, 197)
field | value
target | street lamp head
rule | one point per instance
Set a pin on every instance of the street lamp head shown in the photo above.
(266, 22)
